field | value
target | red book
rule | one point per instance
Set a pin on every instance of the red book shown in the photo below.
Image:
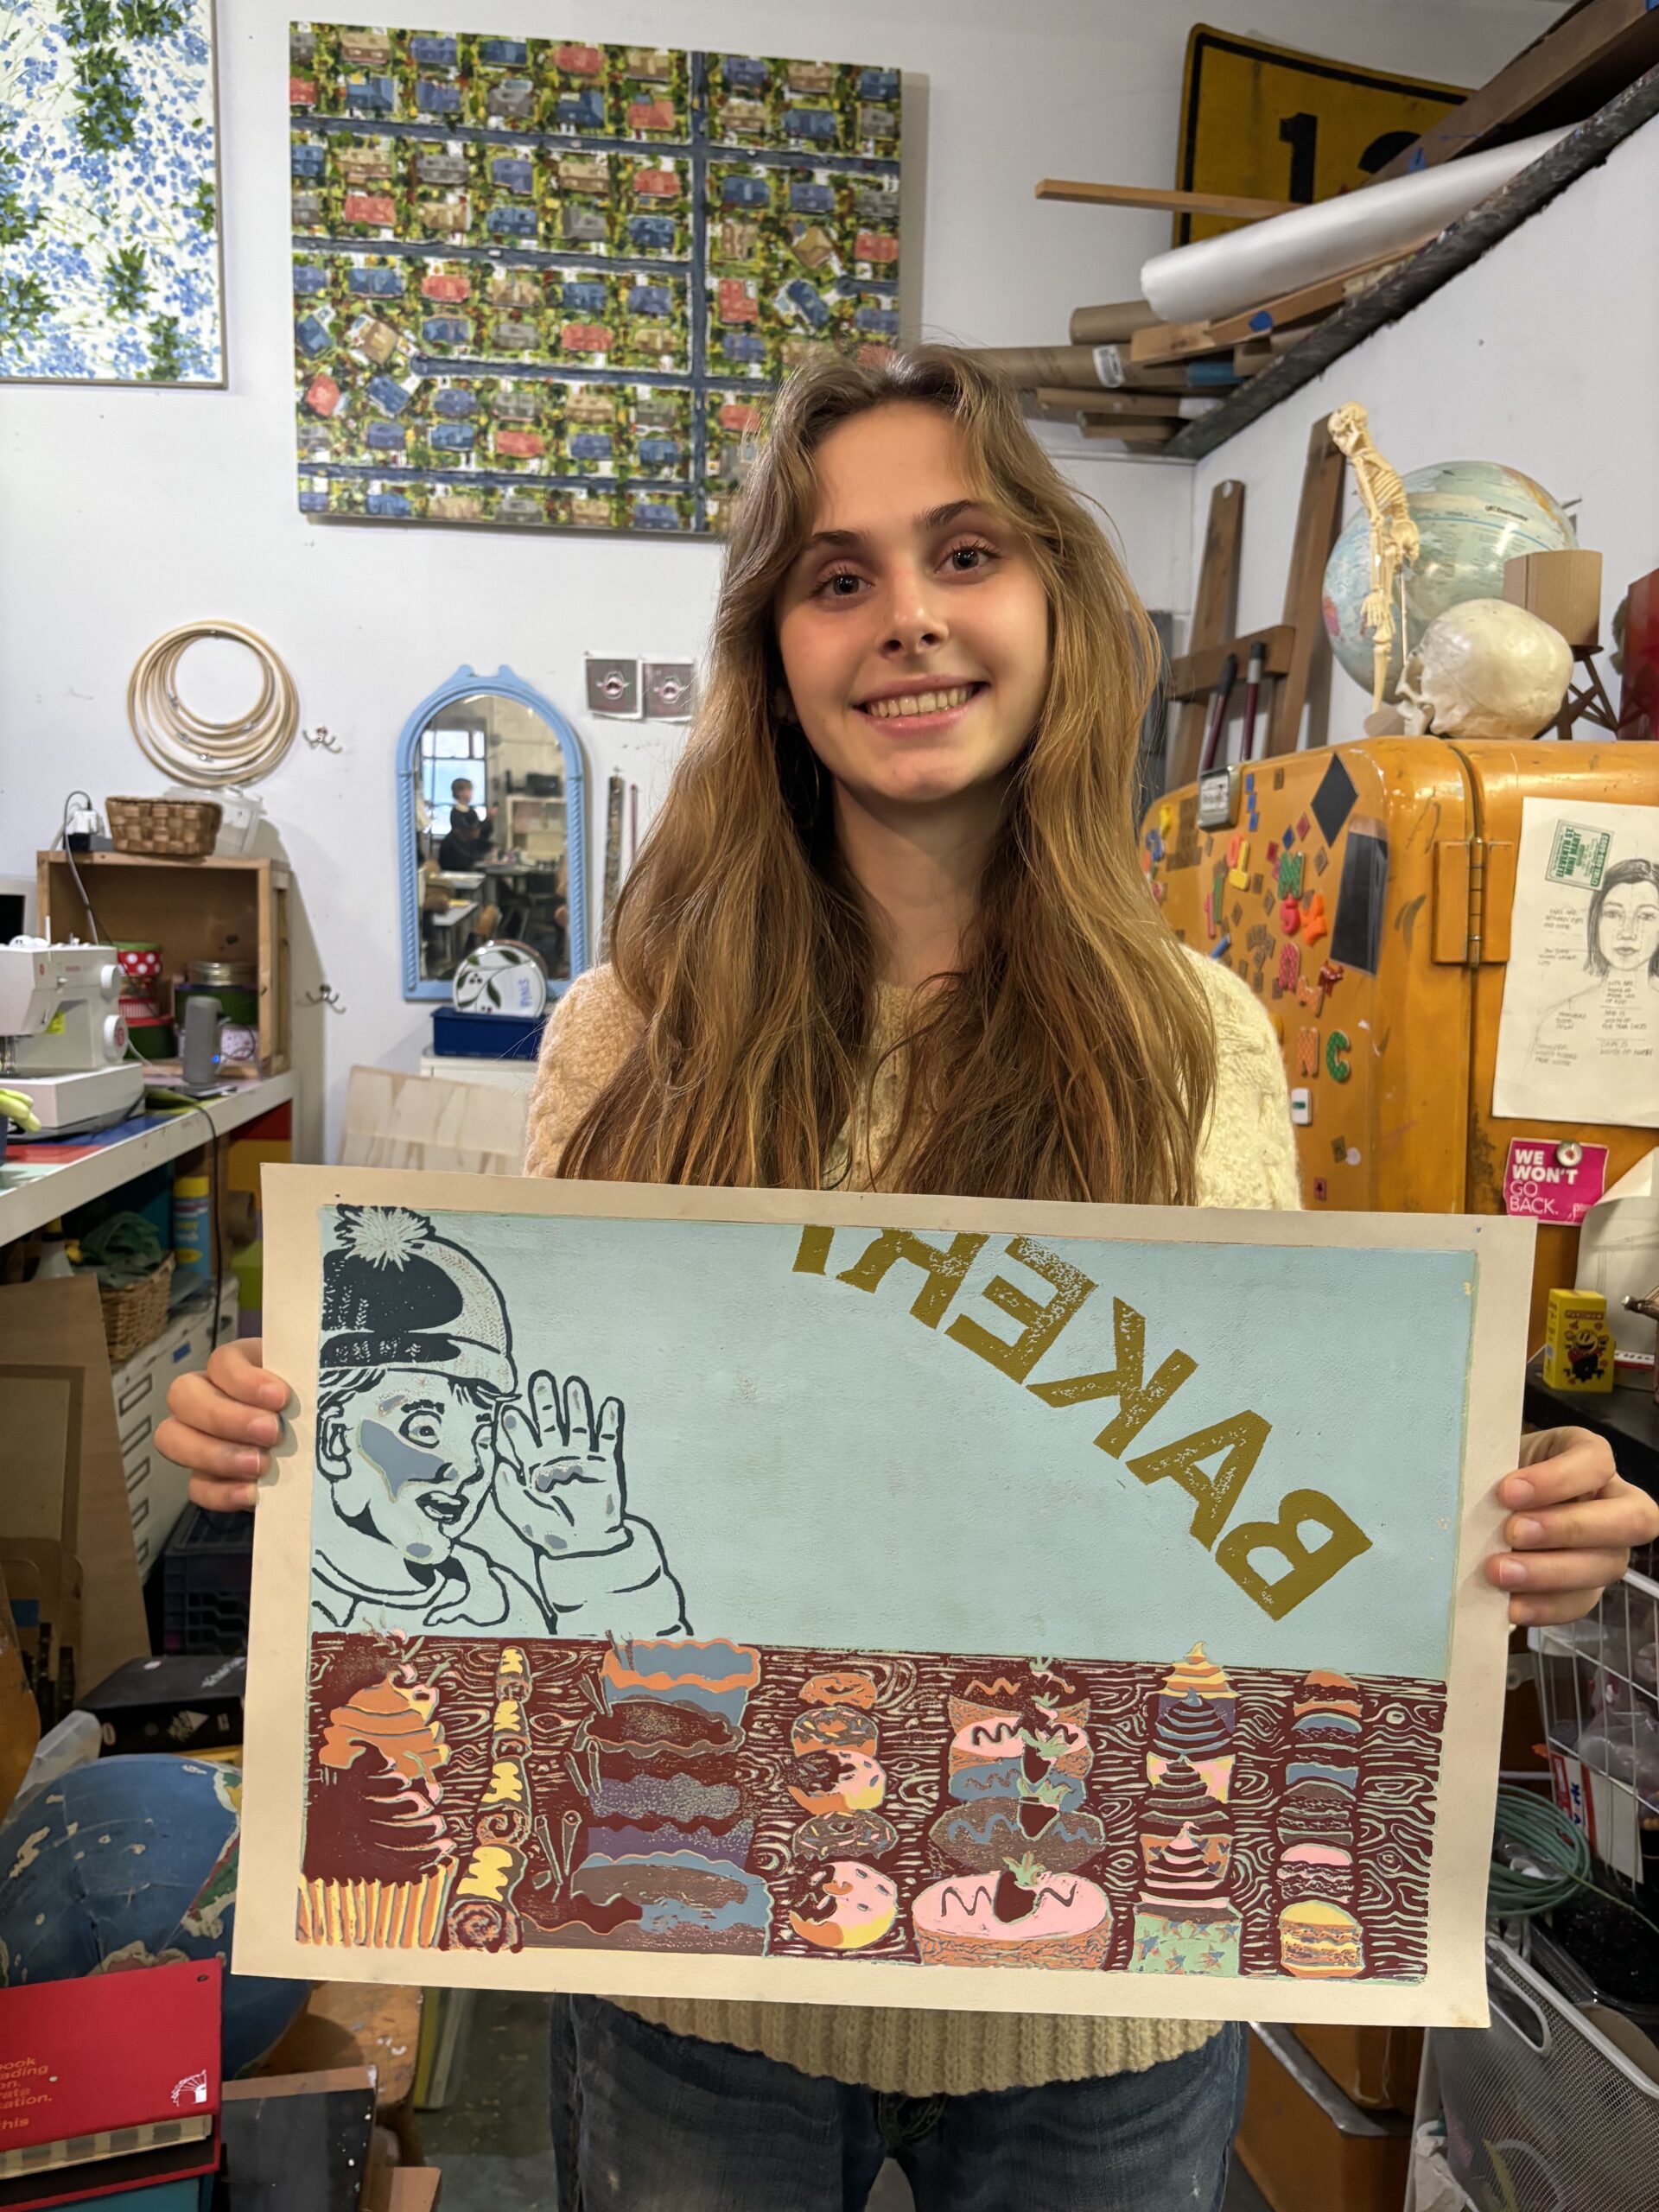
(105, 2082)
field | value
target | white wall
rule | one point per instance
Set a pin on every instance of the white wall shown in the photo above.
(123, 512)
(1538, 356)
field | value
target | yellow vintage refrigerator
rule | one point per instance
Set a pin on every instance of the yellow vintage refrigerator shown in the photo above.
(1364, 893)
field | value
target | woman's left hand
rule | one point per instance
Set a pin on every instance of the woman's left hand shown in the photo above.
(1573, 1521)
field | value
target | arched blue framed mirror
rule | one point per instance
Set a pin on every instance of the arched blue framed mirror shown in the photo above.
(491, 830)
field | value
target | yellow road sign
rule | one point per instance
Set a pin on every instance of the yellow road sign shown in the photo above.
(1272, 124)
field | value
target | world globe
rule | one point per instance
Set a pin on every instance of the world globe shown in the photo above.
(132, 1862)
(1471, 516)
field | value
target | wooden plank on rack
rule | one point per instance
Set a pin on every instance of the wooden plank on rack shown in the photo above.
(1056, 399)
(1577, 65)
(1195, 674)
(1317, 516)
(1212, 617)
(1229, 204)
(1131, 433)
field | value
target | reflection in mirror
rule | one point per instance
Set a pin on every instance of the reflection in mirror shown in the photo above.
(492, 851)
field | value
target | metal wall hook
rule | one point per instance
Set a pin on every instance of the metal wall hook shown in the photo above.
(323, 741)
(324, 996)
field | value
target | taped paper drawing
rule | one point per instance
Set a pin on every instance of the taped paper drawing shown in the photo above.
(715, 1600)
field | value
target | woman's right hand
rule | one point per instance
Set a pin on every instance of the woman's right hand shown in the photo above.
(221, 1422)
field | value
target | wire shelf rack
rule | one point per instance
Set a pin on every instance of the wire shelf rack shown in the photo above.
(1598, 1689)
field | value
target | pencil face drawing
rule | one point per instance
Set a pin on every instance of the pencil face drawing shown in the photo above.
(1579, 1031)
(822, 1596)
(1620, 1005)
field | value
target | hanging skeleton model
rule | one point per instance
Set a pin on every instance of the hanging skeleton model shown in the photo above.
(1393, 538)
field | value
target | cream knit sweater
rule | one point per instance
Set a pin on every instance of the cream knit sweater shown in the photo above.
(1248, 1159)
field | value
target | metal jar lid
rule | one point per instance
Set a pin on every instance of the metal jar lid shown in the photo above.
(224, 971)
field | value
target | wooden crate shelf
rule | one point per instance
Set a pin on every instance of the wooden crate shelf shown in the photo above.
(212, 909)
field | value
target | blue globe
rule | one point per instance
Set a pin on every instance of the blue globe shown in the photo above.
(132, 1862)
(1472, 516)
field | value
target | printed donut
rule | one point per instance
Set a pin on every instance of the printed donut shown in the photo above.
(842, 1685)
(832, 1728)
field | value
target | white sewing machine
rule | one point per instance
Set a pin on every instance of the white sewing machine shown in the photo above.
(62, 1041)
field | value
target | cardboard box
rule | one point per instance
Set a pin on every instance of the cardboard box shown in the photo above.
(53, 1354)
(1376, 2067)
(1307, 2146)
(186, 1702)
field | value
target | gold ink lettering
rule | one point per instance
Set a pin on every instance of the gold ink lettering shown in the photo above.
(1137, 1400)
(813, 1253)
(945, 1270)
(1309, 1569)
(1241, 1438)
(1041, 1319)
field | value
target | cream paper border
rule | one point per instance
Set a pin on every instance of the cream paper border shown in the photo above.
(1454, 1991)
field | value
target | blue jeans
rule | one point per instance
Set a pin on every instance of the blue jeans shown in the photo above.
(647, 2121)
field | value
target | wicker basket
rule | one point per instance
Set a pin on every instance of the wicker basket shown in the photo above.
(171, 829)
(135, 1315)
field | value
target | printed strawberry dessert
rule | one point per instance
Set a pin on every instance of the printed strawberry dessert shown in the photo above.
(1024, 1916)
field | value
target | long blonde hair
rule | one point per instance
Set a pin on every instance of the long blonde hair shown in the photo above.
(1073, 1056)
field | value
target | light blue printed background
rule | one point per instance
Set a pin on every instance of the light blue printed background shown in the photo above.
(824, 1469)
(109, 218)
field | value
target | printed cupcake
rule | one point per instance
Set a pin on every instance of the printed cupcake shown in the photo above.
(1023, 1917)
(1198, 1675)
(1186, 1871)
(1178, 1799)
(379, 1860)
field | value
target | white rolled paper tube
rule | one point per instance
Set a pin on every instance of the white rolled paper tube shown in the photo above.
(1261, 261)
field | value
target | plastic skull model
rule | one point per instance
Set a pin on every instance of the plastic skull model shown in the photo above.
(1485, 669)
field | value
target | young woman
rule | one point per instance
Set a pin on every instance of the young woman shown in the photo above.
(889, 931)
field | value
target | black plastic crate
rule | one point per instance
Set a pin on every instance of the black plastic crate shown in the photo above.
(207, 1573)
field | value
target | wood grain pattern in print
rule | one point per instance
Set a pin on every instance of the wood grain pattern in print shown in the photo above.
(678, 1796)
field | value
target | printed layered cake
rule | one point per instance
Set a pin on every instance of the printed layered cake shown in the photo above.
(1024, 1916)
(665, 1851)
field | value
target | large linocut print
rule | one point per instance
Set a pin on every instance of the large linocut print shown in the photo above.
(838, 1606)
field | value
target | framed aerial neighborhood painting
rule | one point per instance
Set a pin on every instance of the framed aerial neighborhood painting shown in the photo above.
(546, 282)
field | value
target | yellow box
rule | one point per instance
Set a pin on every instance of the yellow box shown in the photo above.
(1578, 1344)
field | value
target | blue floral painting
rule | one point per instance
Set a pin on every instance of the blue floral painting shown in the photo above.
(110, 269)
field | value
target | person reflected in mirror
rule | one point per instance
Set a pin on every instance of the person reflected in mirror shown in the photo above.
(469, 836)
(448, 1506)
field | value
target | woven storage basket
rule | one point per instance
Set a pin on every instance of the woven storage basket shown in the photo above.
(135, 1315)
(171, 829)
